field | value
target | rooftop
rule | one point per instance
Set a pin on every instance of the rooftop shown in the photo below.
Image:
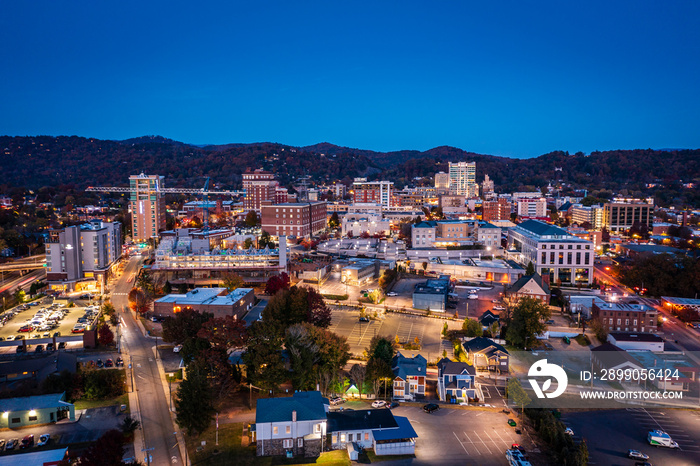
(620, 306)
(33, 402)
(362, 419)
(546, 232)
(627, 337)
(447, 367)
(206, 296)
(404, 431)
(309, 406)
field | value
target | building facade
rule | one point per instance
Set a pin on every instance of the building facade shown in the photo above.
(592, 215)
(442, 183)
(463, 179)
(409, 377)
(495, 210)
(294, 219)
(259, 186)
(82, 257)
(147, 206)
(373, 192)
(532, 207)
(620, 215)
(456, 381)
(487, 188)
(35, 410)
(553, 251)
(217, 301)
(623, 317)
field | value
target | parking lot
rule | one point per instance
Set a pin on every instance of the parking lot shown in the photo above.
(406, 327)
(462, 436)
(610, 433)
(11, 328)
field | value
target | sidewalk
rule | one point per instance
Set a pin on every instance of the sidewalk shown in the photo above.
(178, 434)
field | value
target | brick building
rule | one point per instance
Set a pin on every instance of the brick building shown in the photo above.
(294, 219)
(623, 317)
(373, 192)
(216, 301)
(259, 186)
(496, 210)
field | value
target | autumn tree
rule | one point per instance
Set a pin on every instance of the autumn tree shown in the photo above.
(251, 219)
(296, 305)
(105, 336)
(139, 301)
(277, 283)
(232, 281)
(472, 328)
(107, 451)
(358, 372)
(184, 325)
(224, 333)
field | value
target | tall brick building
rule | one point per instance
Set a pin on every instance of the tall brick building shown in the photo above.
(295, 219)
(496, 210)
(259, 186)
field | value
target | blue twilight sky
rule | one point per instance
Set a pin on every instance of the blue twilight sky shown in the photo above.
(497, 77)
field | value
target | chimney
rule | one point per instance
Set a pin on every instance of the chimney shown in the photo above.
(545, 278)
(294, 416)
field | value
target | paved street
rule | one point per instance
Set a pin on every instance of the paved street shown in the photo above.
(157, 427)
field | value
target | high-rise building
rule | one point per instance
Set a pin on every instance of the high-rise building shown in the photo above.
(621, 214)
(532, 207)
(373, 192)
(487, 188)
(463, 179)
(593, 215)
(496, 210)
(442, 183)
(259, 186)
(147, 206)
(82, 257)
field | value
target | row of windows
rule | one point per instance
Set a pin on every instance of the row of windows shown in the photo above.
(627, 321)
(569, 256)
(570, 246)
(351, 437)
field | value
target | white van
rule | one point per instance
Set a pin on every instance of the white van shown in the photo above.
(659, 438)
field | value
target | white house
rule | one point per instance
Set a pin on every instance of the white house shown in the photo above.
(378, 429)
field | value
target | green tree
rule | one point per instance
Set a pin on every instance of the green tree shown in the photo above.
(232, 281)
(251, 219)
(296, 305)
(248, 243)
(527, 321)
(530, 270)
(19, 295)
(184, 325)
(376, 295)
(358, 372)
(334, 221)
(194, 404)
(263, 359)
(517, 394)
(145, 283)
(167, 288)
(265, 240)
(472, 328)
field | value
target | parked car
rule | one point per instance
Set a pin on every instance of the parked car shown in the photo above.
(109, 363)
(336, 400)
(2, 444)
(100, 364)
(61, 345)
(473, 296)
(21, 349)
(177, 349)
(550, 322)
(430, 407)
(569, 431)
(567, 340)
(11, 338)
(393, 404)
(637, 455)
(11, 444)
(50, 347)
(548, 347)
(39, 349)
(26, 328)
(43, 440)
(511, 423)
(378, 404)
(57, 334)
(27, 442)
(364, 319)
(120, 362)
(392, 293)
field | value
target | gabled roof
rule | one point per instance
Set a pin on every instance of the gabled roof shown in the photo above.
(483, 345)
(404, 430)
(309, 406)
(363, 419)
(612, 356)
(447, 367)
(488, 318)
(565, 206)
(403, 366)
(525, 279)
(426, 224)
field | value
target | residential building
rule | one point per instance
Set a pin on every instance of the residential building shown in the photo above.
(432, 294)
(82, 257)
(293, 425)
(554, 252)
(495, 210)
(294, 219)
(463, 179)
(217, 301)
(531, 286)
(147, 206)
(442, 183)
(487, 188)
(530, 205)
(456, 381)
(489, 235)
(592, 215)
(377, 429)
(636, 341)
(337, 189)
(624, 317)
(488, 318)
(374, 192)
(35, 410)
(620, 214)
(611, 357)
(409, 377)
(487, 355)
(259, 186)
(357, 223)
(452, 200)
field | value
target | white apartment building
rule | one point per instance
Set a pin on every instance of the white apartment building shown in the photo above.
(147, 206)
(82, 257)
(463, 179)
(592, 214)
(554, 252)
(489, 235)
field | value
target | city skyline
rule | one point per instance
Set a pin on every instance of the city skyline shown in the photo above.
(509, 80)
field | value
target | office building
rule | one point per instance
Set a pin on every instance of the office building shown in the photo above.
(554, 252)
(620, 214)
(624, 317)
(531, 207)
(374, 192)
(442, 183)
(591, 215)
(294, 219)
(259, 186)
(495, 210)
(217, 301)
(463, 179)
(147, 206)
(487, 188)
(82, 257)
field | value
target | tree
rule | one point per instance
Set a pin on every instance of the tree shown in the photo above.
(277, 283)
(376, 295)
(139, 301)
(129, 425)
(248, 243)
(605, 235)
(105, 336)
(472, 328)
(377, 371)
(387, 277)
(296, 305)
(358, 373)
(265, 240)
(251, 219)
(599, 330)
(516, 393)
(530, 270)
(19, 295)
(425, 266)
(193, 404)
(527, 321)
(107, 451)
(167, 288)
(145, 283)
(232, 281)
(184, 325)
(334, 221)
(263, 359)
(224, 333)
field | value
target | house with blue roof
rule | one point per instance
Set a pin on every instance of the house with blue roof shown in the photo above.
(409, 377)
(456, 381)
(377, 429)
(293, 425)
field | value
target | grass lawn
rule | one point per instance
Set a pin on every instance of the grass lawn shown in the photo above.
(377, 459)
(119, 400)
(583, 340)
